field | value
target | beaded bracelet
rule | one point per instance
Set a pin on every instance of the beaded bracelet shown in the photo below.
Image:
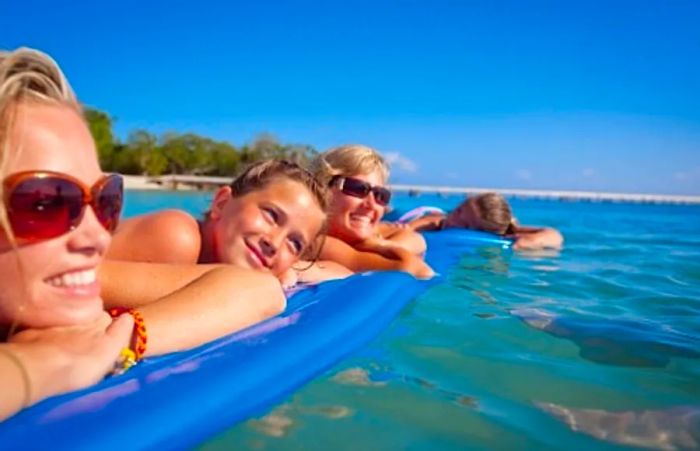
(23, 371)
(140, 334)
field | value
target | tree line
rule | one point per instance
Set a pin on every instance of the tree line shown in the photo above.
(144, 153)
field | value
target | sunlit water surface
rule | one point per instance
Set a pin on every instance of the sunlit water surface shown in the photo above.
(596, 346)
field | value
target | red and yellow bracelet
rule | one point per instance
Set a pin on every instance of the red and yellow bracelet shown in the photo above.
(134, 354)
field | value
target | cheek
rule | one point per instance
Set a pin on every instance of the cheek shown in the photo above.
(25, 295)
(284, 261)
(342, 204)
(379, 209)
(230, 227)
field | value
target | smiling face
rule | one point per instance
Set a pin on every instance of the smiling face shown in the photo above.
(52, 282)
(352, 219)
(267, 229)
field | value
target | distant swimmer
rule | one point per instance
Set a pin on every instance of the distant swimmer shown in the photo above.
(488, 212)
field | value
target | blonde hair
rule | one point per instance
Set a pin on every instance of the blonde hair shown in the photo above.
(494, 211)
(26, 75)
(352, 159)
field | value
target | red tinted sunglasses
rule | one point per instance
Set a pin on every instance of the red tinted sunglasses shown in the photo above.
(359, 188)
(45, 204)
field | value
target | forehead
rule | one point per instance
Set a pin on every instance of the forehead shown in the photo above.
(374, 178)
(52, 138)
(294, 197)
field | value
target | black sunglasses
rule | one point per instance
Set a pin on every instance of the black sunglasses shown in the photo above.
(359, 188)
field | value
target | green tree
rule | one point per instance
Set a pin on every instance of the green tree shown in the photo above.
(100, 124)
(225, 160)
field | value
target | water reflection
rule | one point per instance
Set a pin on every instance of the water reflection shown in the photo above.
(615, 342)
(668, 429)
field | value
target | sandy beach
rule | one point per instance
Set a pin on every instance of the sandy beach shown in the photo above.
(140, 182)
(194, 182)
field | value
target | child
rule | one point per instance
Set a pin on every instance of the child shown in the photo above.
(271, 216)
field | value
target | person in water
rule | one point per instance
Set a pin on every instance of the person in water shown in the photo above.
(356, 176)
(270, 216)
(57, 213)
(488, 212)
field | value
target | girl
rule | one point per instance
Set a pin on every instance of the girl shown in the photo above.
(56, 216)
(489, 212)
(356, 176)
(270, 217)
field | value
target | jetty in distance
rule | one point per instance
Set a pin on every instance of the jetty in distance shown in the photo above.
(175, 182)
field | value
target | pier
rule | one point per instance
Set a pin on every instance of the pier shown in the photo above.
(175, 182)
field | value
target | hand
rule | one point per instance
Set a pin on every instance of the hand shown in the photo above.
(289, 278)
(387, 229)
(422, 270)
(64, 359)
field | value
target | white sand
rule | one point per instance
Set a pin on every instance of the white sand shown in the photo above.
(140, 182)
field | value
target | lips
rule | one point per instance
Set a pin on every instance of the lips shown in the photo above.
(77, 282)
(257, 257)
(362, 219)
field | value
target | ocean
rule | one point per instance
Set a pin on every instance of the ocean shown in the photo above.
(595, 346)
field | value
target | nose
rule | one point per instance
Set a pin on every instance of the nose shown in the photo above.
(89, 238)
(369, 201)
(270, 243)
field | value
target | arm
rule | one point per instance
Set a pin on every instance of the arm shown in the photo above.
(187, 305)
(169, 236)
(374, 255)
(133, 284)
(427, 223)
(404, 236)
(537, 238)
(38, 363)
(222, 301)
(318, 271)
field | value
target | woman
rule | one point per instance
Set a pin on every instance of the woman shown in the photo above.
(271, 216)
(57, 214)
(489, 212)
(356, 176)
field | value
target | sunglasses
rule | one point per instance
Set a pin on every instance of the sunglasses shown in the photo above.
(45, 204)
(359, 188)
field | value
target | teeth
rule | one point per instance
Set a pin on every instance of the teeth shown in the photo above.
(73, 279)
(361, 218)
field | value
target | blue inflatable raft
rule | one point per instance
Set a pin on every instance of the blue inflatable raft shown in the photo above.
(180, 400)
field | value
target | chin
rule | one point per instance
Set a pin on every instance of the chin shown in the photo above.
(66, 317)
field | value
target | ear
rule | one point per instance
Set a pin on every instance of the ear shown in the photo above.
(221, 198)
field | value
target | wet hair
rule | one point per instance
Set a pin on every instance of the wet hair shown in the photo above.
(262, 173)
(348, 160)
(495, 213)
(26, 75)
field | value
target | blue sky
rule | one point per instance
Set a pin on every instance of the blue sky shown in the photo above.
(600, 95)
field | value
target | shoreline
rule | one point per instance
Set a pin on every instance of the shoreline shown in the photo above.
(202, 183)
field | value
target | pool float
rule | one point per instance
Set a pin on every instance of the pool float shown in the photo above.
(180, 400)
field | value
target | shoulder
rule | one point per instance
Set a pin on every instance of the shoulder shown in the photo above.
(168, 236)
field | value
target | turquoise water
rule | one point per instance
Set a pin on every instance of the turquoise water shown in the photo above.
(596, 346)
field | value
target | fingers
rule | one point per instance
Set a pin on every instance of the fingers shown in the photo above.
(119, 332)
